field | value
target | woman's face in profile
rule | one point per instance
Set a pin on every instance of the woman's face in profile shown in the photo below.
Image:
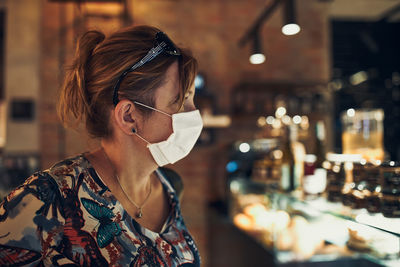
(158, 127)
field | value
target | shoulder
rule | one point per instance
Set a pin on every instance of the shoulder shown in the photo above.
(46, 184)
(66, 173)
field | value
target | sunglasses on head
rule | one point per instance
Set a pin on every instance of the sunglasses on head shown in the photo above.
(163, 45)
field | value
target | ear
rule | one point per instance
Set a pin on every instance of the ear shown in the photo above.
(126, 116)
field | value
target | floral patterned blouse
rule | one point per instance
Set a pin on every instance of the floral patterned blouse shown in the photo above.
(67, 216)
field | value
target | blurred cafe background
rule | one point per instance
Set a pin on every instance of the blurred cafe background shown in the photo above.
(298, 163)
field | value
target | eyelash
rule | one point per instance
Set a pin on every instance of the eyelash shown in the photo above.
(185, 98)
(188, 95)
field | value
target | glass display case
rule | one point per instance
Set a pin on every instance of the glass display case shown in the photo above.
(298, 229)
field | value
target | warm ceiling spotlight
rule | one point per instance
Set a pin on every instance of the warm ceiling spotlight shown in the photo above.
(257, 57)
(291, 29)
(290, 26)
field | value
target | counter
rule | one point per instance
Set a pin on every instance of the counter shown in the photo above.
(303, 231)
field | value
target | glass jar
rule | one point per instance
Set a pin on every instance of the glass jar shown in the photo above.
(266, 166)
(340, 177)
(363, 133)
(314, 183)
(267, 171)
(336, 179)
(365, 187)
(390, 199)
(374, 187)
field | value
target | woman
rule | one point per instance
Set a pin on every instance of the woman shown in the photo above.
(113, 206)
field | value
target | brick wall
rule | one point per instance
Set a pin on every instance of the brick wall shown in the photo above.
(21, 66)
(212, 30)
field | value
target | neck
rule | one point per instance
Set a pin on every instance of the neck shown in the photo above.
(130, 167)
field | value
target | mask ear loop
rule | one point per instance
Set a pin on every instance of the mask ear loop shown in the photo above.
(141, 104)
(148, 143)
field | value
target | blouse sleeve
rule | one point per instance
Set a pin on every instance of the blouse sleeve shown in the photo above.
(30, 222)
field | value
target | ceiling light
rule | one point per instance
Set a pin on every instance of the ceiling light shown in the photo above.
(290, 26)
(290, 29)
(257, 57)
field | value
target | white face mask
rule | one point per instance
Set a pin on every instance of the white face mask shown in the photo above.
(186, 127)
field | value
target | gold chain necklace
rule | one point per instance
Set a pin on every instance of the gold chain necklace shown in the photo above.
(139, 213)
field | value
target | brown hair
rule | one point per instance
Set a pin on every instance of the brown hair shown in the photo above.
(86, 94)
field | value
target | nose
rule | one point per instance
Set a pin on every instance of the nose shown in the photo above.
(189, 106)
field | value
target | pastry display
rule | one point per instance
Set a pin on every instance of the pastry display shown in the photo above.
(276, 228)
(357, 241)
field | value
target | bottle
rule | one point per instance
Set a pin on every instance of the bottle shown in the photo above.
(288, 164)
(309, 174)
(319, 151)
(299, 152)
